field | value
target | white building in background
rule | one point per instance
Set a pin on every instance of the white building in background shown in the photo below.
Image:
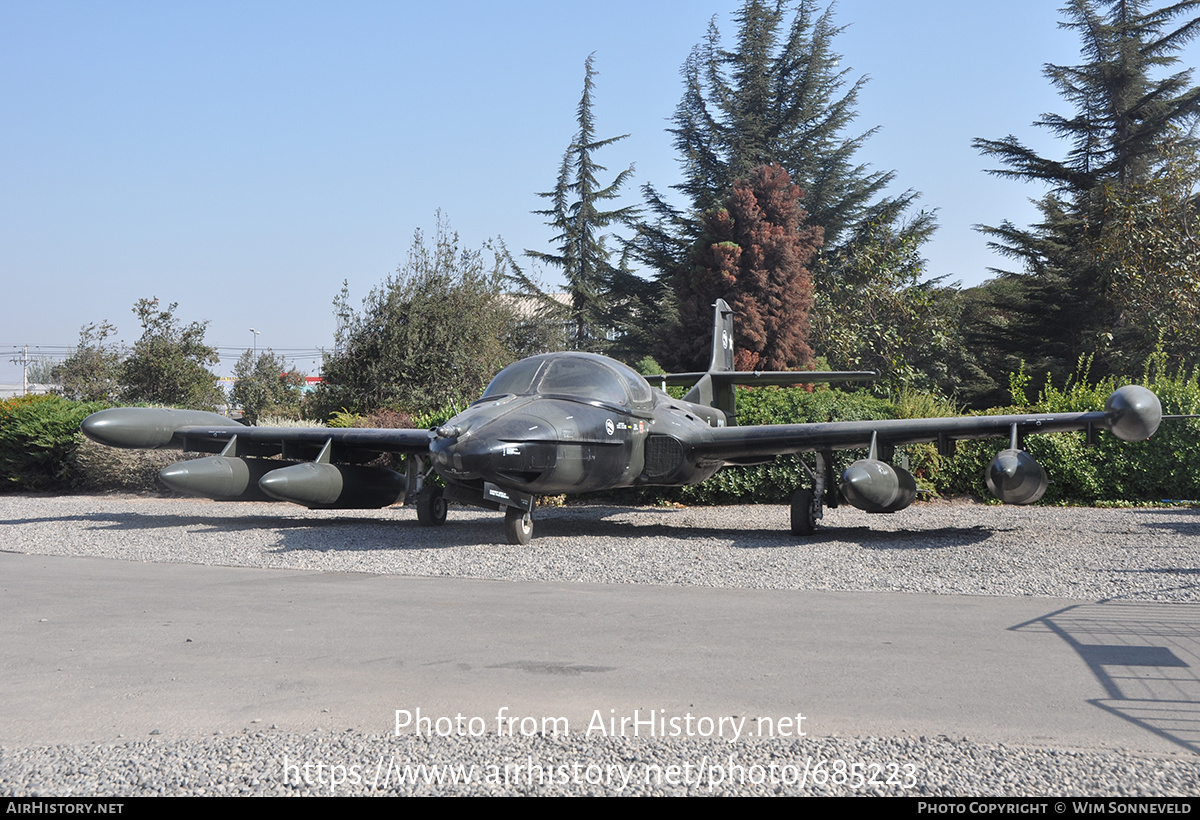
(8, 391)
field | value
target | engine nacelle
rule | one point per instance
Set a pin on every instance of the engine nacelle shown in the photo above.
(224, 478)
(877, 487)
(334, 486)
(1015, 477)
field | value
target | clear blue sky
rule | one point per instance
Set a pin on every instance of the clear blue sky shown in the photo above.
(243, 158)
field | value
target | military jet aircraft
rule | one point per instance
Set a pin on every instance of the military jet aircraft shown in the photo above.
(564, 423)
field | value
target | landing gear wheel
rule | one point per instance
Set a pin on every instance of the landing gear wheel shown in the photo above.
(431, 507)
(518, 525)
(804, 515)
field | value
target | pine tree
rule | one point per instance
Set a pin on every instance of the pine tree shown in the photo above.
(1124, 130)
(782, 100)
(576, 213)
(1149, 256)
(778, 97)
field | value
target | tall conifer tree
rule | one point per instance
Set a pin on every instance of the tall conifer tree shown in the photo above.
(778, 97)
(1125, 125)
(576, 213)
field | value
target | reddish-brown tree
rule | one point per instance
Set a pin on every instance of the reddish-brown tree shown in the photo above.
(754, 254)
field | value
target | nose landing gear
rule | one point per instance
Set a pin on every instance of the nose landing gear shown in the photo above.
(518, 525)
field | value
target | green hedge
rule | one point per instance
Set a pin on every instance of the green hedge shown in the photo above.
(38, 437)
(775, 482)
(1113, 471)
(771, 483)
(1167, 467)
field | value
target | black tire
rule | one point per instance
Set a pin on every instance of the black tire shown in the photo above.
(431, 507)
(518, 526)
(804, 518)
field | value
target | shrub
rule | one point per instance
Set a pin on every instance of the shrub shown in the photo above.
(1165, 467)
(38, 436)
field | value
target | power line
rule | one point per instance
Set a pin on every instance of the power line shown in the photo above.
(27, 354)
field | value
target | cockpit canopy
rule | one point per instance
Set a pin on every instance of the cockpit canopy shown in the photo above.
(584, 377)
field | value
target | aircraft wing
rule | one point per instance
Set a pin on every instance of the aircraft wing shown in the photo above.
(196, 430)
(1132, 413)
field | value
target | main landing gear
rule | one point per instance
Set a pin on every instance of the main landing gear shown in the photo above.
(808, 505)
(431, 512)
(804, 512)
(431, 506)
(429, 498)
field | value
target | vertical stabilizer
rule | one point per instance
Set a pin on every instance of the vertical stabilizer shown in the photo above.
(722, 343)
(715, 387)
(718, 394)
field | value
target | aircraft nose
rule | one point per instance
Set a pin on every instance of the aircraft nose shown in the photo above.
(495, 449)
(462, 457)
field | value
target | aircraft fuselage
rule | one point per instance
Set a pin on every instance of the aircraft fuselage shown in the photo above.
(557, 445)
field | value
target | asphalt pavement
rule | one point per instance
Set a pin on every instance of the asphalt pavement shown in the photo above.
(96, 650)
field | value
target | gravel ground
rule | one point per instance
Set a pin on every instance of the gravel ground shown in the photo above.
(942, 548)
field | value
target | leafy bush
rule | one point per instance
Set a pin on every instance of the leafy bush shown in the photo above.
(343, 418)
(1113, 471)
(1165, 467)
(436, 331)
(386, 418)
(38, 436)
(436, 417)
(774, 482)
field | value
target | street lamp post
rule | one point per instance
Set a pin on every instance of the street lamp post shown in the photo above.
(255, 337)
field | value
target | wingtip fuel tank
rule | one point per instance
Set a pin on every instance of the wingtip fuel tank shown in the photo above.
(146, 427)
(220, 477)
(1135, 412)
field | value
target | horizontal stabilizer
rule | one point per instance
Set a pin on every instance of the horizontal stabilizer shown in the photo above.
(763, 377)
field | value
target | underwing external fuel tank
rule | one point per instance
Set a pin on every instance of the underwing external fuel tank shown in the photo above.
(878, 487)
(311, 484)
(334, 486)
(1015, 477)
(221, 477)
